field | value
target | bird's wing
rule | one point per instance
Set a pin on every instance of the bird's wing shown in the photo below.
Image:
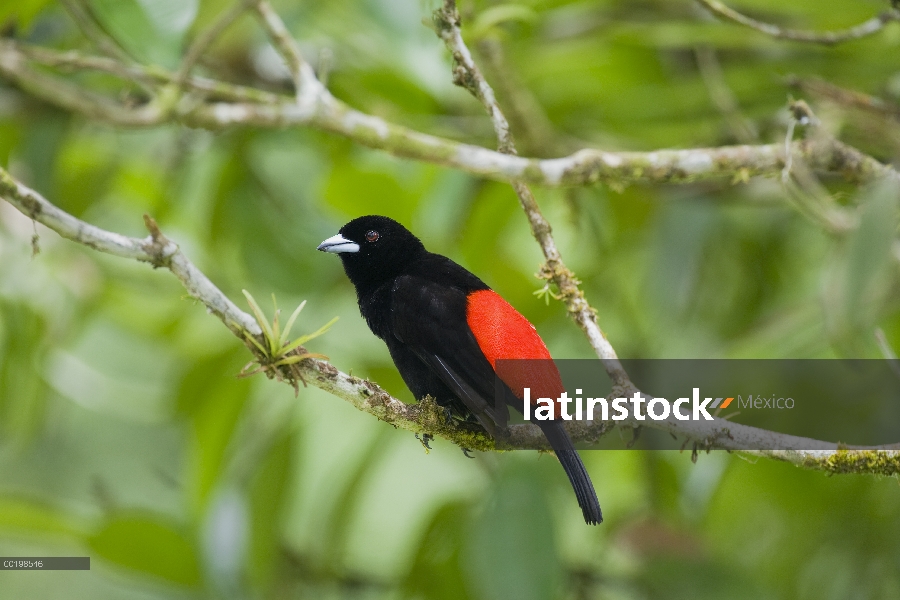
(430, 319)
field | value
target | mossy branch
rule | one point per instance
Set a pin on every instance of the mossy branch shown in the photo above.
(221, 105)
(424, 417)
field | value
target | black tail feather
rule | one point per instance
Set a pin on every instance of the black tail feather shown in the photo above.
(571, 462)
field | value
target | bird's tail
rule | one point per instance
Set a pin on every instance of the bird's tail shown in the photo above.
(571, 462)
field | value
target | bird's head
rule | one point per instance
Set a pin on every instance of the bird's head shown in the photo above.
(373, 249)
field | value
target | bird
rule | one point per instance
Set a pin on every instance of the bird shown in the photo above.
(449, 335)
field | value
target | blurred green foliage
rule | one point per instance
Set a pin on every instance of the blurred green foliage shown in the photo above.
(125, 434)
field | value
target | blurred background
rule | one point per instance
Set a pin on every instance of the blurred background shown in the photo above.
(125, 434)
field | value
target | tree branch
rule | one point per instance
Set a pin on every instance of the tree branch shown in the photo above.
(254, 108)
(467, 75)
(306, 86)
(828, 38)
(155, 249)
(427, 417)
(159, 251)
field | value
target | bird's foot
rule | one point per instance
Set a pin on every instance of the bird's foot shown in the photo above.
(466, 451)
(448, 415)
(425, 439)
(635, 435)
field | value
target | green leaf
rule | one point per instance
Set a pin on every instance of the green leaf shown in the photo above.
(214, 426)
(309, 336)
(287, 327)
(263, 322)
(256, 343)
(276, 326)
(295, 358)
(148, 544)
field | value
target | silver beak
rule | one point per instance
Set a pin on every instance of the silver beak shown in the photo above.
(338, 244)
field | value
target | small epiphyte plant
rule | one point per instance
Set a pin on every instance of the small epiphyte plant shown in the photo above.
(277, 357)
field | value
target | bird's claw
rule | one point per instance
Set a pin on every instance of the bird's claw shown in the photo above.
(426, 437)
(448, 415)
(466, 453)
(635, 435)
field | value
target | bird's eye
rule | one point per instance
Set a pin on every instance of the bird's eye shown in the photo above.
(372, 236)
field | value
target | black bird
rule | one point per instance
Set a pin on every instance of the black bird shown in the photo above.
(446, 330)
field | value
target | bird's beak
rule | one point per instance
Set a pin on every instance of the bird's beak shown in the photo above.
(338, 244)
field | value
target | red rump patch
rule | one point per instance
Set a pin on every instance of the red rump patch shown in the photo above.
(503, 333)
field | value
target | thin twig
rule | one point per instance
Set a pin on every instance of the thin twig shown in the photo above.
(845, 97)
(467, 74)
(885, 346)
(14, 67)
(306, 86)
(828, 38)
(149, 75)
(324, 64)
(74, 60)
(721, 95)
(887, 351)
(788, 151)
(203, 41)
(803, 190)
(82, 14)
(108, 45)
(527, 117)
